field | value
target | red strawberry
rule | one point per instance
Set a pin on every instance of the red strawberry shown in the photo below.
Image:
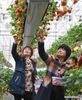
(69, 10)
(51, 19)
(54, 13)
(63, 2)
(18, 10)
(61, 13)
(16, 18)
(58, 11)
(18, 14)
(48, 29)
(42, 35)
(75, 1)
(21, 30)
(16, 1)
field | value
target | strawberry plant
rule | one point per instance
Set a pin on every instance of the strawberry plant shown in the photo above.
(5, 74)
(73, 79)
(72, 39)
(18, 15)
(18, 12)
(55, 11)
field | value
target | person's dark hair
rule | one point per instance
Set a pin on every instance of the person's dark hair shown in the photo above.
(74, 59)
(29, 48)
(67, 49)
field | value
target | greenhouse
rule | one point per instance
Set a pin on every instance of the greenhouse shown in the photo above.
(40, 49)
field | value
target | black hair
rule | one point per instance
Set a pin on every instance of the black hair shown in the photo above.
(29, 48)
(67, 49)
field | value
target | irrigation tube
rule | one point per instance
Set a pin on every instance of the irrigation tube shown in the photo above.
(74, 97)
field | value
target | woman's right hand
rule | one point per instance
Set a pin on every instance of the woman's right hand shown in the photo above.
(41, 37)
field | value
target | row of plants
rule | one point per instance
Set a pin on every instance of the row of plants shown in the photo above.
(73, 77)
(72, 81)
(73, 38)
(5, 74)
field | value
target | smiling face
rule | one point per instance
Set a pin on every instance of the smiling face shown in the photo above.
(27, 52)
(61, 53)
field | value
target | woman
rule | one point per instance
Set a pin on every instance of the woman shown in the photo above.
(22, 82)
(55, 69)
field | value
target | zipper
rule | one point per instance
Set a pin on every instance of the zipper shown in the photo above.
(16, 78)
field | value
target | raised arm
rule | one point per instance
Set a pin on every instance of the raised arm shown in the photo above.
(14, 52)
(14, 49)
(42, 53)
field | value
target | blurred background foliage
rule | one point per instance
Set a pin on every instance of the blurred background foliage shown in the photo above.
(5, 74)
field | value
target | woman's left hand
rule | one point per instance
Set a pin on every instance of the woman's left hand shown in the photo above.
(55, 82)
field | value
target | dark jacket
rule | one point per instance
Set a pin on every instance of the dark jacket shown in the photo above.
(44, 56)
(17, 83)
(52, 92)
(49, 60)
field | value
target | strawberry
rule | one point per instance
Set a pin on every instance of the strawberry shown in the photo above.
(16, 18)
(54, 13)
(69, 10)
(42, 35)
(75, 1)
(16, 1)
(18, 14)
(48, 29)
(19, 23)
(20, 29)
(51, 19)
(18, 10)
(23, 18)
(61, 13)
(63, 2)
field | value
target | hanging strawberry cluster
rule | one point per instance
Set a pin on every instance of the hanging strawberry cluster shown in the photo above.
(55, 11)
(18, 14)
